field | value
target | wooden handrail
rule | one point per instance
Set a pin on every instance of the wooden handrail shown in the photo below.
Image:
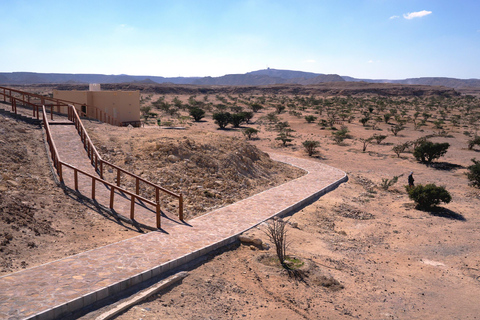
(59, 164)
(60, 102)
(93, 154)
(99, 163)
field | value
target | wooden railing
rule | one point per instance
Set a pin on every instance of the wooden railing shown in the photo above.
(56, 105)
(60, 165)
(96, 160)
(100, 165)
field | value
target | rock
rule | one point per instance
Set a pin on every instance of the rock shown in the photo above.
(13, 183)
(257, 242)
(245, 239)
(172, 158)
(252, 247)
(294, 224)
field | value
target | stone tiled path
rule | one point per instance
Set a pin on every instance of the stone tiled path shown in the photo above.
(53, 289)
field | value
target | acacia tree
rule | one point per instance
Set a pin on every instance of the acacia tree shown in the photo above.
(311, 146)
(428, 151)
(222, 119)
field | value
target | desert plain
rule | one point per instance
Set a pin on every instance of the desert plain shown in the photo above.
(364, 250)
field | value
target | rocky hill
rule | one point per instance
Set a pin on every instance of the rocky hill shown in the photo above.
(255, 78)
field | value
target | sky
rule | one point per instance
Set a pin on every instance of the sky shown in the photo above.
(371, 39)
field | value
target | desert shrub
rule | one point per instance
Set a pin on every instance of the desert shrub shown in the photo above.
(256, 107)
(379, 138)
(387, 117)
(473, 142)
(428, 151)
(311, 146)
(197, 114)
(276, 232)
(279, 108)
(387, 183)
(247, 116)
(250, 132)
(396, 129)
(364, 120)
(272, 117)
(366, 142)
(340, 135)
(237, 119)
(310, 118)
(145, 111)
(399, 148)
(428, 196)
(473, 173)
(284, 137)
(222, 119)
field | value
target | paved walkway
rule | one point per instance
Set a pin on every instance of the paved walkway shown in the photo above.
(54, 289)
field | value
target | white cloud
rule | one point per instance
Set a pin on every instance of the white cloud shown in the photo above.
(370, 61)
(417, 14)
(310, 61)
(394, 17)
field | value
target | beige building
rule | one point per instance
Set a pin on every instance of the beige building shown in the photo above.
(121, 105)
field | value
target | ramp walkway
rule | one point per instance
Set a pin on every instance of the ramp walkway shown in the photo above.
(57, 288)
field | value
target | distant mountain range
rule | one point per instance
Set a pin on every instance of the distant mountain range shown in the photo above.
(254, 78)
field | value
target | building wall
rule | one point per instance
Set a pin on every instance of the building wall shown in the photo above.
(122, 105)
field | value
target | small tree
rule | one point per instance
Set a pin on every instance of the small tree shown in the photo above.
(379, 138)
(364, 120)
(247, 116)
(428, 196)
(473, 173)
(237, 119)
(222, 119)
(276, 232)
(396, 129)
(256, 107)
(341, 135)
(311, 146)
(310, 118)
(197, 114)
(250, 132)
(279, 108)
(399, 148)
(387, 117)
(428, 151)
(387, 183)
(146, 111)
(366, 142)
(473, 142)
(284, 137)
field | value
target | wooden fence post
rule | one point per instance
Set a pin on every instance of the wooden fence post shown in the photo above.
(180, 207)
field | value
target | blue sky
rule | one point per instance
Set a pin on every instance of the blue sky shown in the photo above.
(379, 39)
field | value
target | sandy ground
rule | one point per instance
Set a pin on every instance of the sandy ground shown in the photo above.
(367, 253)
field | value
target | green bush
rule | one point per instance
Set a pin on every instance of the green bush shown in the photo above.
(311, 146)
(237, 119)
(197, 114)
(428, 151)
(428, 196)
(473, 142)
(222, 119)
(473, 173)
(247, 116)
(250, 132)
(310, 118)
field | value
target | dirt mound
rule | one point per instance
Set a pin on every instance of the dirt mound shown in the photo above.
(210, 170)
(38, 221)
